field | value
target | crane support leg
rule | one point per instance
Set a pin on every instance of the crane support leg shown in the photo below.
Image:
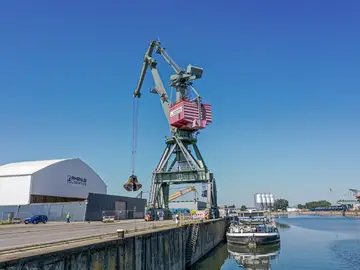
(179, 166)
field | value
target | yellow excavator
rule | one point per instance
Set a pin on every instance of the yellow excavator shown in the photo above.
(181, 193)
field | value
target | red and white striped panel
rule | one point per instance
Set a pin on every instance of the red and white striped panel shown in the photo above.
(185, 114)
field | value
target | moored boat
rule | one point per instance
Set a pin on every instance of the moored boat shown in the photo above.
(253, 231)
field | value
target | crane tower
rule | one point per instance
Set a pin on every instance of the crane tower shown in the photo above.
(181, 161)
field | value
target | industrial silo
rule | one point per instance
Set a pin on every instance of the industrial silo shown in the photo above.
(263, 201)
(272, 201)
(267, 201)
(258, 201)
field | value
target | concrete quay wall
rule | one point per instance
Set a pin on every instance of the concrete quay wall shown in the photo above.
(175, 248)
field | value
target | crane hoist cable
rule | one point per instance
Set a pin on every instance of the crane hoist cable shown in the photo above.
(133, 184)
(135, 132)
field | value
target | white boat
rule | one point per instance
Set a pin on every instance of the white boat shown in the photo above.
(252, 228)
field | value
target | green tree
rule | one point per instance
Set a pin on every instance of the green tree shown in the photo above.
(315, 204)
(243, 208)
(281, 204)
(300, 206)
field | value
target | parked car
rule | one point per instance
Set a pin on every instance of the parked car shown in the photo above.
(36, 219)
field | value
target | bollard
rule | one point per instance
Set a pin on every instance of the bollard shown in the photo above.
(120, 233)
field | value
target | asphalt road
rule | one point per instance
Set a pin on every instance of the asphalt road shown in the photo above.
(20, 235)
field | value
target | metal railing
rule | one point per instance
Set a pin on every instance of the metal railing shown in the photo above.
(118, 215)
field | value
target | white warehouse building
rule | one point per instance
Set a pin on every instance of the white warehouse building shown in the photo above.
(48, 181)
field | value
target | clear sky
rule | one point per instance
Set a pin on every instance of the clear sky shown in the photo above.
(282, 76)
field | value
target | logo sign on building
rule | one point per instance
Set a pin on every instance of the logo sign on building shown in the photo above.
(76, 180)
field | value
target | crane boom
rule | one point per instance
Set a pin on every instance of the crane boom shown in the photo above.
(181, 80)
(160, 89)
(145, 66)
(167, 58)
(150, 62)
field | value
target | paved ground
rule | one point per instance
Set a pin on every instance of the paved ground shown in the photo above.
(19, 235)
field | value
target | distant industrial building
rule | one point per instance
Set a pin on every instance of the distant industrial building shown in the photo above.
(264, 201)
(48, 181)
(192, 205)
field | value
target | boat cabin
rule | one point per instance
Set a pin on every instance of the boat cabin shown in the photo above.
(252, 214)
(266, 229)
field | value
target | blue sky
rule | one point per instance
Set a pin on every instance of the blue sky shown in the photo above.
(282, 76)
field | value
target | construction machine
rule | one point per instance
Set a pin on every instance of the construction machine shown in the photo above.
(155, 213)
(181, 161)
(182, 192)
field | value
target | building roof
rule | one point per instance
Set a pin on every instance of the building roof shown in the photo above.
(26, 167)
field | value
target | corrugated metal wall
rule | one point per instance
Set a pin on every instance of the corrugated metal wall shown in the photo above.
(99, 203)
(54, 211)
(92, 210)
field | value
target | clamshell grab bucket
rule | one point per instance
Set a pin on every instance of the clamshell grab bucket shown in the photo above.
(132, 184)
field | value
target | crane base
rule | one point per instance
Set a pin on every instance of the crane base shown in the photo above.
(153, 213)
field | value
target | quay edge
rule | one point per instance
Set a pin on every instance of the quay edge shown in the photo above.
(167, 249)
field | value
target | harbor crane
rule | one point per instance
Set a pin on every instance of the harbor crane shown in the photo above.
(181, 161)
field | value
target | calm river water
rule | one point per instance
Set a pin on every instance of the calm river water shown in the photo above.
(314, 243)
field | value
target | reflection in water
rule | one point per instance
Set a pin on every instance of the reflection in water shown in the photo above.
(213, 260)
(254, 258)
(282, 226)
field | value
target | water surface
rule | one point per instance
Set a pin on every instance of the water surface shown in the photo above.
(314, 243)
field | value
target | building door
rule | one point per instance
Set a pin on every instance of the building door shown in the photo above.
(120, 208)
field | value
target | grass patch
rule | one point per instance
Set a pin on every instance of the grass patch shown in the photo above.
(4, 222)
